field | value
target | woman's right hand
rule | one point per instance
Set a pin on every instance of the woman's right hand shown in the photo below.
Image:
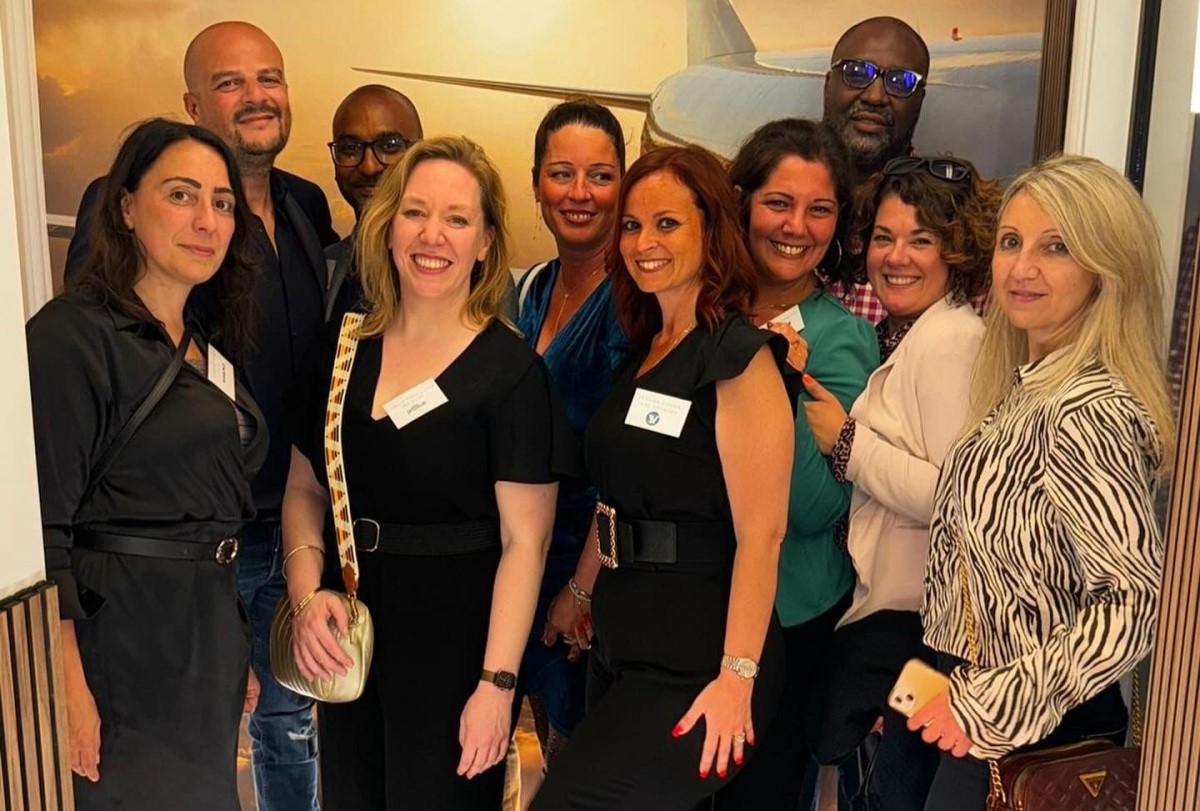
(83, 730)
(318, 653)
(562, 619)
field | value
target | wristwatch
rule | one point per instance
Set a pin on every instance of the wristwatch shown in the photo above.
(742, 667)
(501, 678)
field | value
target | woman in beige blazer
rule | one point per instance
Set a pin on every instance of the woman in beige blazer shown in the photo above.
(928, 227)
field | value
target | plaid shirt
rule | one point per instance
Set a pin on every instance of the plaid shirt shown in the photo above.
(860, 300)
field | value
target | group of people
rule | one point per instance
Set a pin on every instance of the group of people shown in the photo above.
(698, 487)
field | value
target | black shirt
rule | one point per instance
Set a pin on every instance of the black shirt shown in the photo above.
(183, 475)
(290, 293)
(501, 422)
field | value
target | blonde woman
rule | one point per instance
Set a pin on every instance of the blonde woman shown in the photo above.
(1048, 502)
(460, 480)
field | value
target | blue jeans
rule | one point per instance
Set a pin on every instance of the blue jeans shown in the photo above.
(281, 728)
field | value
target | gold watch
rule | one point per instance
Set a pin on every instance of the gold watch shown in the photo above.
(742, 667)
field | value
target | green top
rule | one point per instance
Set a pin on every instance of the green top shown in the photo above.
(813, 572)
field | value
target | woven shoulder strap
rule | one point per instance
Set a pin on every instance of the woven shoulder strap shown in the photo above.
(335, 472)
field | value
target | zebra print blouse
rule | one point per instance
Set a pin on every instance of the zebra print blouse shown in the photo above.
(1053, 498)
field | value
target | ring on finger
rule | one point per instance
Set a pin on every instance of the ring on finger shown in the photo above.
(739, 739)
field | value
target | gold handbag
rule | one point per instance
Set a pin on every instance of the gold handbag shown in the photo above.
(359, 644)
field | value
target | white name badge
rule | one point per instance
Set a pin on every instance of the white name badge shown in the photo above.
(220, 373)
(791, 317)
(660, 413)
(416, 402)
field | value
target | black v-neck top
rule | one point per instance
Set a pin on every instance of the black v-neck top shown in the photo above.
(647, 475)
(501, 422)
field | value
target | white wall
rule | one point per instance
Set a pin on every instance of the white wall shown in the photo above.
(21, 562)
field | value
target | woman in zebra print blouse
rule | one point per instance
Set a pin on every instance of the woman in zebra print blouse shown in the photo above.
(1049, 499)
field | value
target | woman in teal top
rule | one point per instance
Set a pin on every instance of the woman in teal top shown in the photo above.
(793, 180)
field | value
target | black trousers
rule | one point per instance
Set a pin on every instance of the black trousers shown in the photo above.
(659, 640)
(396, 748)
(166, 658)
(961, 784)
(774, 779)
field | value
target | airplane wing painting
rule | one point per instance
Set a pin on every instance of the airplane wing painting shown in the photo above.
(981, 101)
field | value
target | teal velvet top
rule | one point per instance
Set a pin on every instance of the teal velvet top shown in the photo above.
(814, 571)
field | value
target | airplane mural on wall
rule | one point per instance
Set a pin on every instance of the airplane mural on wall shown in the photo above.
(981, 101)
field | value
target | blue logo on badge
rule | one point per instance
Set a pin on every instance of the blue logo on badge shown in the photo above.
(652, 418)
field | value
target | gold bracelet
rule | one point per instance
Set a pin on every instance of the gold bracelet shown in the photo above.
(301, 605)
(288, 556)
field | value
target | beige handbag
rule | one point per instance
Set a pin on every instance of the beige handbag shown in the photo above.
(360, 643)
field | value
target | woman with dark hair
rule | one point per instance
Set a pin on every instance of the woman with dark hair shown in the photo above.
(792, 177)
(690, 453)
(567, 315)
(145, 445)
(928, 226)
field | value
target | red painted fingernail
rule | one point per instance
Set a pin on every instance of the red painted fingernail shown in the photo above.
(721, 773)
(703, 774)
(807, 379)
(738, 761)
(677, 731)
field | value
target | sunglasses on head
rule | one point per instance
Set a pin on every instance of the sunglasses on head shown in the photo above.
(948, 169)
(861, 74)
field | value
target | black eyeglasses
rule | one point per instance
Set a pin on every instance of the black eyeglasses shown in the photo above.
(350, 152)
(861, 74)
(948, 169)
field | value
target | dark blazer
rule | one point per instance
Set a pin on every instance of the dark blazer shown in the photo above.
(305, 194)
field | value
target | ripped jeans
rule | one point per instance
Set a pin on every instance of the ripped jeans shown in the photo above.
(284, 743)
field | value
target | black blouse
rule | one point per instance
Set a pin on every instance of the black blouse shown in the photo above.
(183, 475)
(501, 422)
(653, 476)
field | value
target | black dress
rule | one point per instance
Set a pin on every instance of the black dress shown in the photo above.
(164, 645)
(397, 747)
(660, 629)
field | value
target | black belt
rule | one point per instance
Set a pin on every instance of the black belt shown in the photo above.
(222, 551)
(662, 542)
(426, 539)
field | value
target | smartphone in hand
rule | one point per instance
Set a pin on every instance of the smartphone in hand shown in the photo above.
(917, 684)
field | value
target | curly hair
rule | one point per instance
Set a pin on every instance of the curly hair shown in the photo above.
(961, 213)
(727, 277)
(811, 141)
(116, 257)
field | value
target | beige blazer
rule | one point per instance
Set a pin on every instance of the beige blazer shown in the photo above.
(912, 409)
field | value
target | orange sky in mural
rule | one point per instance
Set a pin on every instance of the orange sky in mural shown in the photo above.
(107, 63)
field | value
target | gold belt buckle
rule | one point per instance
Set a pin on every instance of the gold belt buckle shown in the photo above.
(226, 551)
(606, 528)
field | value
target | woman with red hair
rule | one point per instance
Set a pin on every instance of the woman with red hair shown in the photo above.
(692, 455)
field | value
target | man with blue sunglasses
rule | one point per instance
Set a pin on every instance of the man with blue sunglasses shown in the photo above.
(874, 89)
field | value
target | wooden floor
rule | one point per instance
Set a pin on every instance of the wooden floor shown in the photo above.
(527, 744)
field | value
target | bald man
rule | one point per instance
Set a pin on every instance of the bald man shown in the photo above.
(237, 88)
(372, 129)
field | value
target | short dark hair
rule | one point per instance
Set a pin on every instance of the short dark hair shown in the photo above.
(728, 281)
(116, 258)
(583, 111)
(963, 215)
(811, 141)
(893, 21)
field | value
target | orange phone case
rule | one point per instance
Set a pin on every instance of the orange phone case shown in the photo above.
(917, 684)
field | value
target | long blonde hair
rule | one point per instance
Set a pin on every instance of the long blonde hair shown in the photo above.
(381, 288)
(1109, 232)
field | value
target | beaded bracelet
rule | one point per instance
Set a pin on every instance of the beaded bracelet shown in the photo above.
(839, 456)
(577, 592)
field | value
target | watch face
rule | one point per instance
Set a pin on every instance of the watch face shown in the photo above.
(747, 669)
(504, 680)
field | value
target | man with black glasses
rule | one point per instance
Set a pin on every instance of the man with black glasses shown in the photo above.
(873, 95)
(372, 128)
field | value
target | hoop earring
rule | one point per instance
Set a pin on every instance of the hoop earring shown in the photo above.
(829, 268)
